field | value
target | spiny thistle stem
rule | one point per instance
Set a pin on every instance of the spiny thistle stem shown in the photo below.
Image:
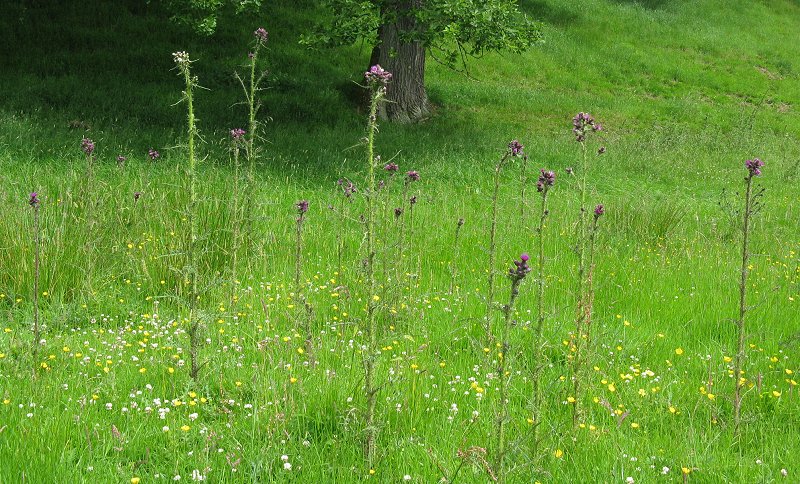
(516, 274)
(302, 208)
(583, 124)
(261, 37)
(523, 185)
(88, 146)
(754, 169)
(514, 149)
(37, 243)
(543, 184)
(377, 78)
(191, 270)
(236, 137)
(456, 253)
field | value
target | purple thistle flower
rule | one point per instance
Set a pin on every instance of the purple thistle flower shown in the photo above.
(413, 200)
(137, 196)
(582, 124)
(237, 134)
(302, 207)
(599, 210)
(87, 146)
(546, 180)
(398, 212)
(520, 269)
(754, 166)
(515, 147)
(262, 35)
(153, 154)
(378, 75)
(412, 176)
(34, 200)
(391, 167)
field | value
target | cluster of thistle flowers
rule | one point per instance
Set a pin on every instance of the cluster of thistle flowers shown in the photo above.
(547, 179)
(582, 124)
(33, 201)
(87, 146)
(261, 35)
(520, 269)
(411, 176)
(377, 75)
(754, 167)
(348, 187)
(237, 134)
(181, 58)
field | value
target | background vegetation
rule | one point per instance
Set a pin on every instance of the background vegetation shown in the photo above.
(686, 92)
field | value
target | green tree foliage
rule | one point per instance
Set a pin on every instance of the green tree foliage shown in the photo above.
(452, 29)
(201, 15)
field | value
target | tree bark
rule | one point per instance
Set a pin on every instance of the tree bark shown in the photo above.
(405, 59)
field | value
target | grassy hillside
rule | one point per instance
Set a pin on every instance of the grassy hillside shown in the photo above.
(686, 91)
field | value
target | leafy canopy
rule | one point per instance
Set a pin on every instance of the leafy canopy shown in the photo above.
(455, 28)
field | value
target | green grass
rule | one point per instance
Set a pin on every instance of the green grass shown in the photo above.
(686, 91)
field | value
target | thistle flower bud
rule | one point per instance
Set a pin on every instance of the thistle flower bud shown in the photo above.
(599, 210)
(520, 269)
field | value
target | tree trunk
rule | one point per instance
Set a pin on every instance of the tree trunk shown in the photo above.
(405, 59)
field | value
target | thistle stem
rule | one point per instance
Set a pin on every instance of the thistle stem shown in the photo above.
(369, 359)
(740, 323)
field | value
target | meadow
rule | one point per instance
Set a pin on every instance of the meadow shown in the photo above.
(686, 92)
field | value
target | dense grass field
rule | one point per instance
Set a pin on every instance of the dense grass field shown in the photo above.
(686, 92)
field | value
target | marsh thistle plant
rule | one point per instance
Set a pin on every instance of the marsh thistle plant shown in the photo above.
(752, 205)
(308, 318)
(191, 272)
(237, 136)
(515, 275)
(33, 201)
(377, 81)
(583, 125)
(544, 183)
(90, 205)
(514, 149)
